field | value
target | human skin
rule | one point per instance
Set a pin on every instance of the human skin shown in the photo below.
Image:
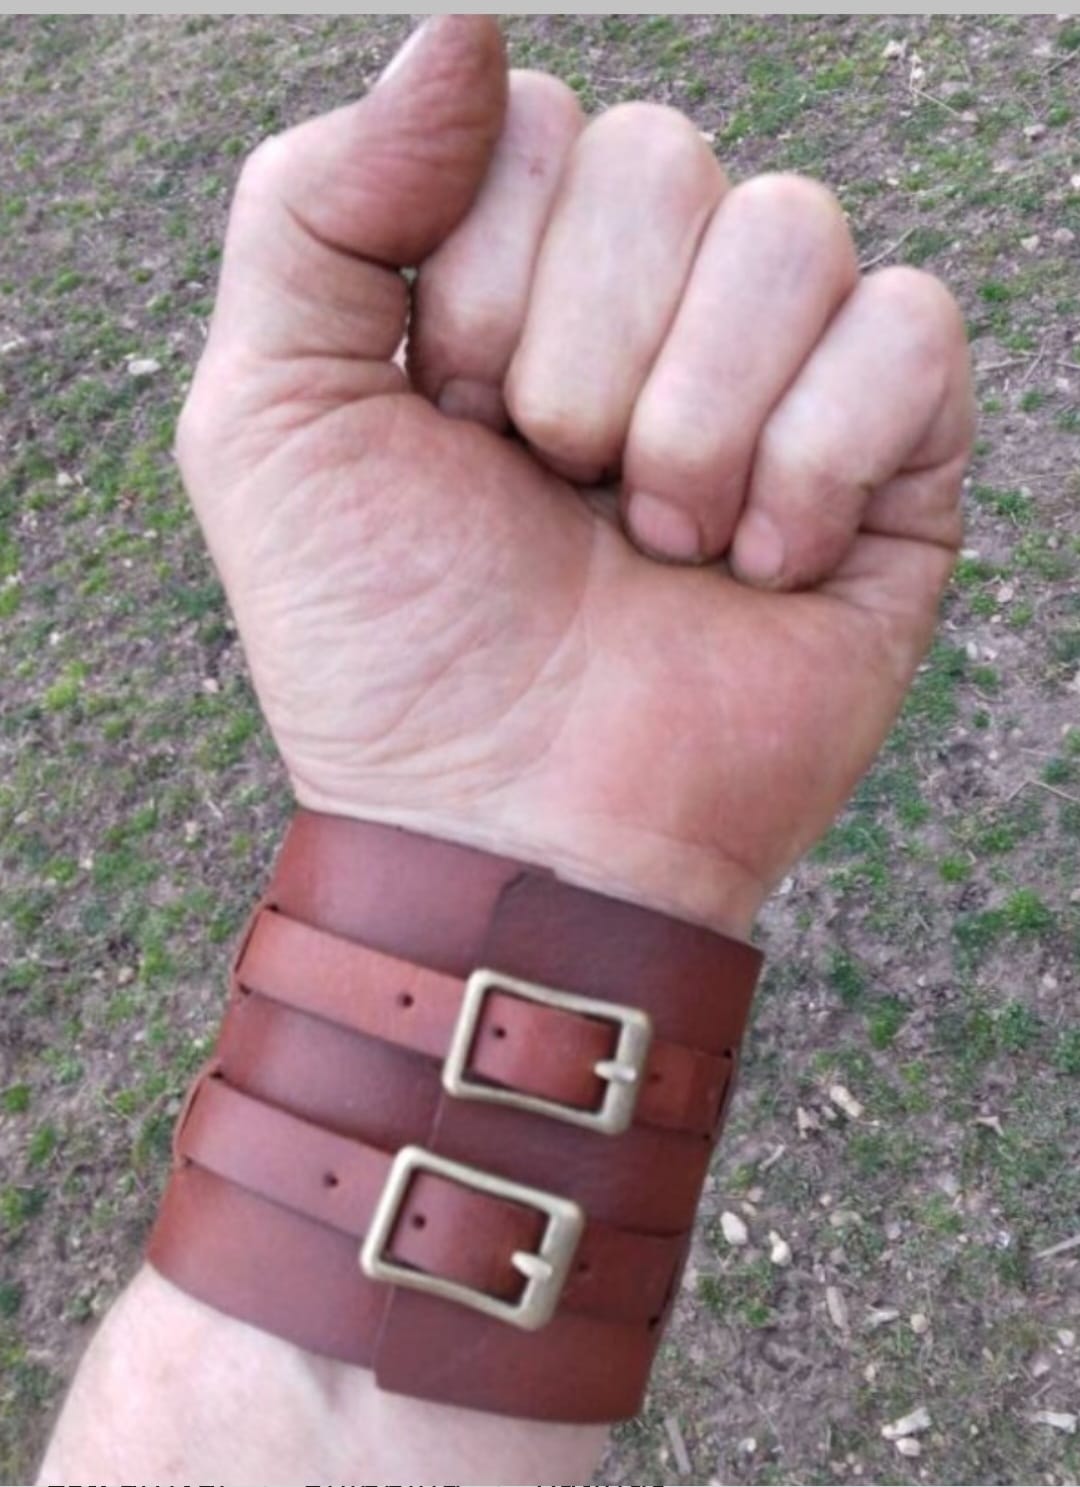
(625, 571)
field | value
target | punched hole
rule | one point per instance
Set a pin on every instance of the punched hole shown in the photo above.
(418, 1221)
(654, 1322)
(498, 1032)
(655, 1078)
(583, 1267)
(405, 999)
(330, 1179)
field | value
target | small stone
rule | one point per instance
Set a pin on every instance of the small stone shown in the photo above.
(1006, 593)
(893, 49)
(869, 1373)
(806, 1122)
(747, 1446)
(1074, 182)
(1034, 131)
(907, 1445)
(1066, 1337)
(734, 1229)
(1040, 1366)
(1056, 1419)
(844, 1218)
(1063, 236)
(893, 1230)
(920, 1323)
(64, 480)
(1030, 244)
(844, 1100)
(7, 347)
(991, 1122)
(143, 366)
(191, 831)
(125, 975)
(837, 1308)
(755, 1195)
(880, 1316)
(211, 686)
(779, 1249)
(910, 1424)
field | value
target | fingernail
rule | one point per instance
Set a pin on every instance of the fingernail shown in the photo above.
(404, 51)
(663, 529)
(758, 551)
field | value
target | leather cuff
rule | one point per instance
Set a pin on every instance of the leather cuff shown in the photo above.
(457, 1122)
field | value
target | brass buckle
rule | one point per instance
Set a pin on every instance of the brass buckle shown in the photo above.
(622, 1072)
(545, 1270)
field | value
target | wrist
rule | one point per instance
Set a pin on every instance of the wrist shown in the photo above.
(670, 874)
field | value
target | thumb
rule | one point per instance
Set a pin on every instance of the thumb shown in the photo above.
(322, 210)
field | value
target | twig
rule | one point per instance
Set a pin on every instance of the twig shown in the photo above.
(772, 1159)
(1053, 790)
(1070, 366)
(885, 252)
(1062, 1246)
(1061, 62)
(999, 366)
(1034, 364)
(678, 1446)
(921, 93)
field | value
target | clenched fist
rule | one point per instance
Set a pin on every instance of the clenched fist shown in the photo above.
(625, 564)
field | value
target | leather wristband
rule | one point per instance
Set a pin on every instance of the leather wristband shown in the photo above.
(457, 1122)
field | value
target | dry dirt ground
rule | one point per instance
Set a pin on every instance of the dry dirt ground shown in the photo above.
(926, 958)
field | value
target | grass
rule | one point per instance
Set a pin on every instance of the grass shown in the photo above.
(926, 954)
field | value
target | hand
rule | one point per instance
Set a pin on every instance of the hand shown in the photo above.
(446, 621)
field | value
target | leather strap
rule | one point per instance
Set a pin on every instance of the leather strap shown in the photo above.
(520, 1045)
(345, 993)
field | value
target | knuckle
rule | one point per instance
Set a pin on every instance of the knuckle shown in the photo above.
(800, 211)
(918, 301)
(791, 196)
(544, 94)
(687, 440)
(552, 423)
(661, 137)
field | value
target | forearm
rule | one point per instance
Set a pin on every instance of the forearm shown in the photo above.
(171, 1390)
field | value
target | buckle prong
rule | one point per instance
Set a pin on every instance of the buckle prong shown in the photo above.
(615, 1073)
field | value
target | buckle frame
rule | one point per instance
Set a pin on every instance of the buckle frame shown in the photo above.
(545, 1269)
(622, 1072)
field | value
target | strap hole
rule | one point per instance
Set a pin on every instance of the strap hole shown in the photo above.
(498, 1032)
(405, 999)
(655, 1078)
(217, 1074)
(583, 1267)
(654, 1322)
(330, 1179)
(418, 1221)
